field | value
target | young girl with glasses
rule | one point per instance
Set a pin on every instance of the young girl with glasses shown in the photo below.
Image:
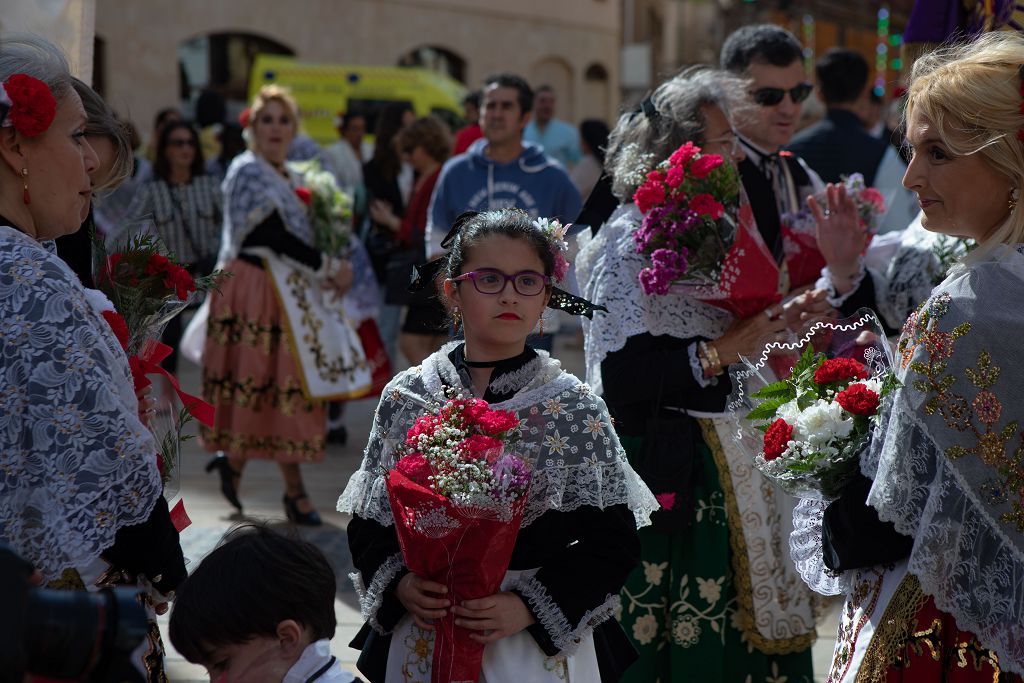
(585, 501)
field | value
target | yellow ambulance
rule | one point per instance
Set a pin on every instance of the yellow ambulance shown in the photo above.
(324, 90)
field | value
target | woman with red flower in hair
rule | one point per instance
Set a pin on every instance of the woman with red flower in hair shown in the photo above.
(80, 494)
(278, 340)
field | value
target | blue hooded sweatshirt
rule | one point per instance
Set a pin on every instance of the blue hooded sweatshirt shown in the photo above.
(533, 182)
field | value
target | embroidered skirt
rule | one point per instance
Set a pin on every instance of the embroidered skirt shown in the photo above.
(681, 609)
(251, 377)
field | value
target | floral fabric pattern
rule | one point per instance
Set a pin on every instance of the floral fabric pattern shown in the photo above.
(76, 464)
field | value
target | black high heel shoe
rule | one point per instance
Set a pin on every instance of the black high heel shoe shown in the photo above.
(227, 474)
(291, 509)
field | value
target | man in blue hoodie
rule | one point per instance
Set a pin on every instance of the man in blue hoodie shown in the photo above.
(500, 170)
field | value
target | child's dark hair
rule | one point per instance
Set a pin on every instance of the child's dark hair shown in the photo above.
(512, 223)
(255, 579)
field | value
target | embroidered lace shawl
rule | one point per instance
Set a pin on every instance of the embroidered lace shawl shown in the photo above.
(948, 459)
(608, 270)
(252, 191)
(76, 464)
(580, 462)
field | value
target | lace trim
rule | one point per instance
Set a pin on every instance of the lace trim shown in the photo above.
(510, 382)
(697, 370)
(827, 282)
(371, 599)
(890, 635)
(608, 270)
(806, 550)
(554, 621)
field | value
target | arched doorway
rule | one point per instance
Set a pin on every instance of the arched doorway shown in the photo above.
(221, 63)
(436, 58)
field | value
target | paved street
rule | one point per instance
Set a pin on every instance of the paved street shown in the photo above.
(261, 493)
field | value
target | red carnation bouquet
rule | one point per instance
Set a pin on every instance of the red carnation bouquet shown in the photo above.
(147, 289)
(458, 497)
(700, 236)
(814, 422)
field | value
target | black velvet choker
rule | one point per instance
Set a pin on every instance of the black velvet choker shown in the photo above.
(497, 390)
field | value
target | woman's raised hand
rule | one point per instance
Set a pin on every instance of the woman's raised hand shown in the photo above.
(801, 312)
(420, 598)
(841, 237)
(494, 617)
(746, 337)
(342, 279)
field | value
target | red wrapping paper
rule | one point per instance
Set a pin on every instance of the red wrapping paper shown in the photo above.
(803, 260)
(468, 554)
(376, 355)
(749, 280)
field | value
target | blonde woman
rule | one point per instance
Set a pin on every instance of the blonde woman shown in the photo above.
(931, 554)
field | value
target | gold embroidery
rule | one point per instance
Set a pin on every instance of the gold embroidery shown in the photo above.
(229, 328)
(307, 450)
(69, 580)
(890, 636)
(741, 563)
(287, 398)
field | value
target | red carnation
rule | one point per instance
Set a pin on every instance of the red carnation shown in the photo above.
(839, 369)
(682, 156)
(857, 399)
(705, 164)
(426, 425)
(118, 326)
(179, 280)
(706, 205)
(777, 438)
(304, 195)
(32, 104)
(675, 177)
(649, 195)
(108, 273)
(496, 422)
(415, 467)
(157, 264)
(480, 446)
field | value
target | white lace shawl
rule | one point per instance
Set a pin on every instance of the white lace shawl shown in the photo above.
(76, 464)
(580, 462)
(946, 465)
(608, 270)
(252, 191)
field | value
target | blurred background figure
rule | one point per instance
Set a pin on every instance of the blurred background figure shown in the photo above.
(162, 118)
(182, 206)
(593, 140)
(388, 181)
(346, 158)
(110, 207)
(426, 144)
(232, 143)
(558, 138)
(471, 132)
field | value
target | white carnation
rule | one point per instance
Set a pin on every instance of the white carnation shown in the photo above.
(789, 412)
(821, 422)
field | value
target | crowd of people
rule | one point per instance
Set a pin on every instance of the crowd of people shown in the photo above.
(651, 548)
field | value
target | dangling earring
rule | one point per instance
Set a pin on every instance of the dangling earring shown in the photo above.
(456, 318)
(542, 326)
(24, 195)
(1014, 196)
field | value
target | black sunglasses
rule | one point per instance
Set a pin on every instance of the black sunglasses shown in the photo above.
(181, 143)
(769, 97)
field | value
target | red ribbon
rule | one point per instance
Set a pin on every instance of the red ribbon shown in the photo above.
(148, 363)
(179, 518)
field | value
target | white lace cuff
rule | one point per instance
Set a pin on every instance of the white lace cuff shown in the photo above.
(698, 371)
(553, 620)
(370, 599)
(806, 551)
(827, 283)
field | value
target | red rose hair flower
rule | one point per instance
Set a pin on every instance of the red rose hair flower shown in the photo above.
(857, 399)
(839, 369)
(777, 438)
(33, 106)
(304, 195)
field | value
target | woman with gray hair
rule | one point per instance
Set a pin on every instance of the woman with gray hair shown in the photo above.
(80, 492)
(712, 601)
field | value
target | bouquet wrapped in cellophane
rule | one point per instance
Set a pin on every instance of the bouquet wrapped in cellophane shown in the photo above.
(700, 235)
(806, 423)
(147, 289)
(330, 209)
(458, 496)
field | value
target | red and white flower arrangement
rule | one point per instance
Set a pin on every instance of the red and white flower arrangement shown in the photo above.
(458, 496)
(330, 209)
(27, 104)
(700, 236)
(816, 422)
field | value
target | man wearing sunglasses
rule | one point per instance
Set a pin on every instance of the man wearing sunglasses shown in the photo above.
(777, 184)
